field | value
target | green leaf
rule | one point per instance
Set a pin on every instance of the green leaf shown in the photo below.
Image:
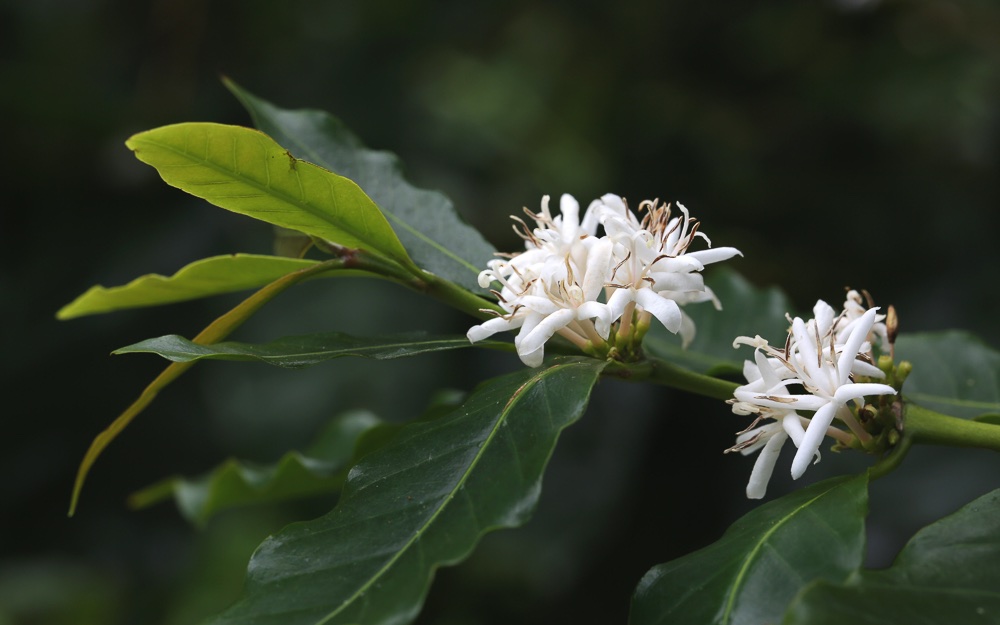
(245, 171)
(947, 573)
(209, 276)
(750, 574)
(215, 332)
(953, 372)
(746, 311)
(321, 469)
(435, 236)
(310, 349)
(420, 502)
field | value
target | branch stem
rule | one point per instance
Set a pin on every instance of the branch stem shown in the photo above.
(933, 428)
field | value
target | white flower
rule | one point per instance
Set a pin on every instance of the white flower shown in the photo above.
(553, 286)
(569, 281)
(654, 272)
(822, 357)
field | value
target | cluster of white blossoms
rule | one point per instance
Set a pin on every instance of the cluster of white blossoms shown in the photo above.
(572, 282)
(822, 357)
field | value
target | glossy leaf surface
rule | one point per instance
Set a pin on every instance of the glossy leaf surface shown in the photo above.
(953, 373)
(245, 171)
(435, 236)
(301, 351)
(947, 573)
(746, 311)
(421, 501)
(209, 276)
(320, 469)
(750, 574)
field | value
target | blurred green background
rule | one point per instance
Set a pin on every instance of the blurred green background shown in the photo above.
(835, 143)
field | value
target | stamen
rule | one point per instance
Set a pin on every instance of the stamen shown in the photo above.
(750, 427)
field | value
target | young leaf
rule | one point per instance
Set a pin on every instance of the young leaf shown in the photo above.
(318, 470)
(746, 310)
(208, 276)
(435, 236)
(953, 373)
(420, 502)
(245, 171)
(215, 332)
(947, 573)
(310, 349)
(750, 574)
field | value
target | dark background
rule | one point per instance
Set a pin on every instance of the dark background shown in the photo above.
(835, 143)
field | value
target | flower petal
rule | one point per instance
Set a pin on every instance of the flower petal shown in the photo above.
(544, 330)
(764, 467)
(714, 255)
(490, 327)
(666, 310)
(848, 392)
(813, 438)
(854, 341)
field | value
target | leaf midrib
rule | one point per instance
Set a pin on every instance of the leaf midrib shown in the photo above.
(737, 584)
(515, 398)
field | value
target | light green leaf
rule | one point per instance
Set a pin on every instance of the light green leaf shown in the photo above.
(947, 573)
(321, 469)
(435, 236)
(749, 575)
(746, 311)
(310, 349)
(209, 276)
(245, 171)
(953, 372)
(420, 502)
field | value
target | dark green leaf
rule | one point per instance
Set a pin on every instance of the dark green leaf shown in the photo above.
(318, 470)
(301, 351)
(750, 574)
(420, 502)
(245, 171)
(435, 236)
(209, 276)
(947, 573)
(953, 373)
(746, 311)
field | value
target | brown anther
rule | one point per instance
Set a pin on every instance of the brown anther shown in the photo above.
(891, 324)
(780, 400)
(747, 443)
(868, 298)
(619, 265)
(750, 427)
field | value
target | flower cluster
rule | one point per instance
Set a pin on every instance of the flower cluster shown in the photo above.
(599, 292)
(823, 357)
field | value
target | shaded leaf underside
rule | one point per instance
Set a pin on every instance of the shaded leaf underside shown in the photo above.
(311, 349)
